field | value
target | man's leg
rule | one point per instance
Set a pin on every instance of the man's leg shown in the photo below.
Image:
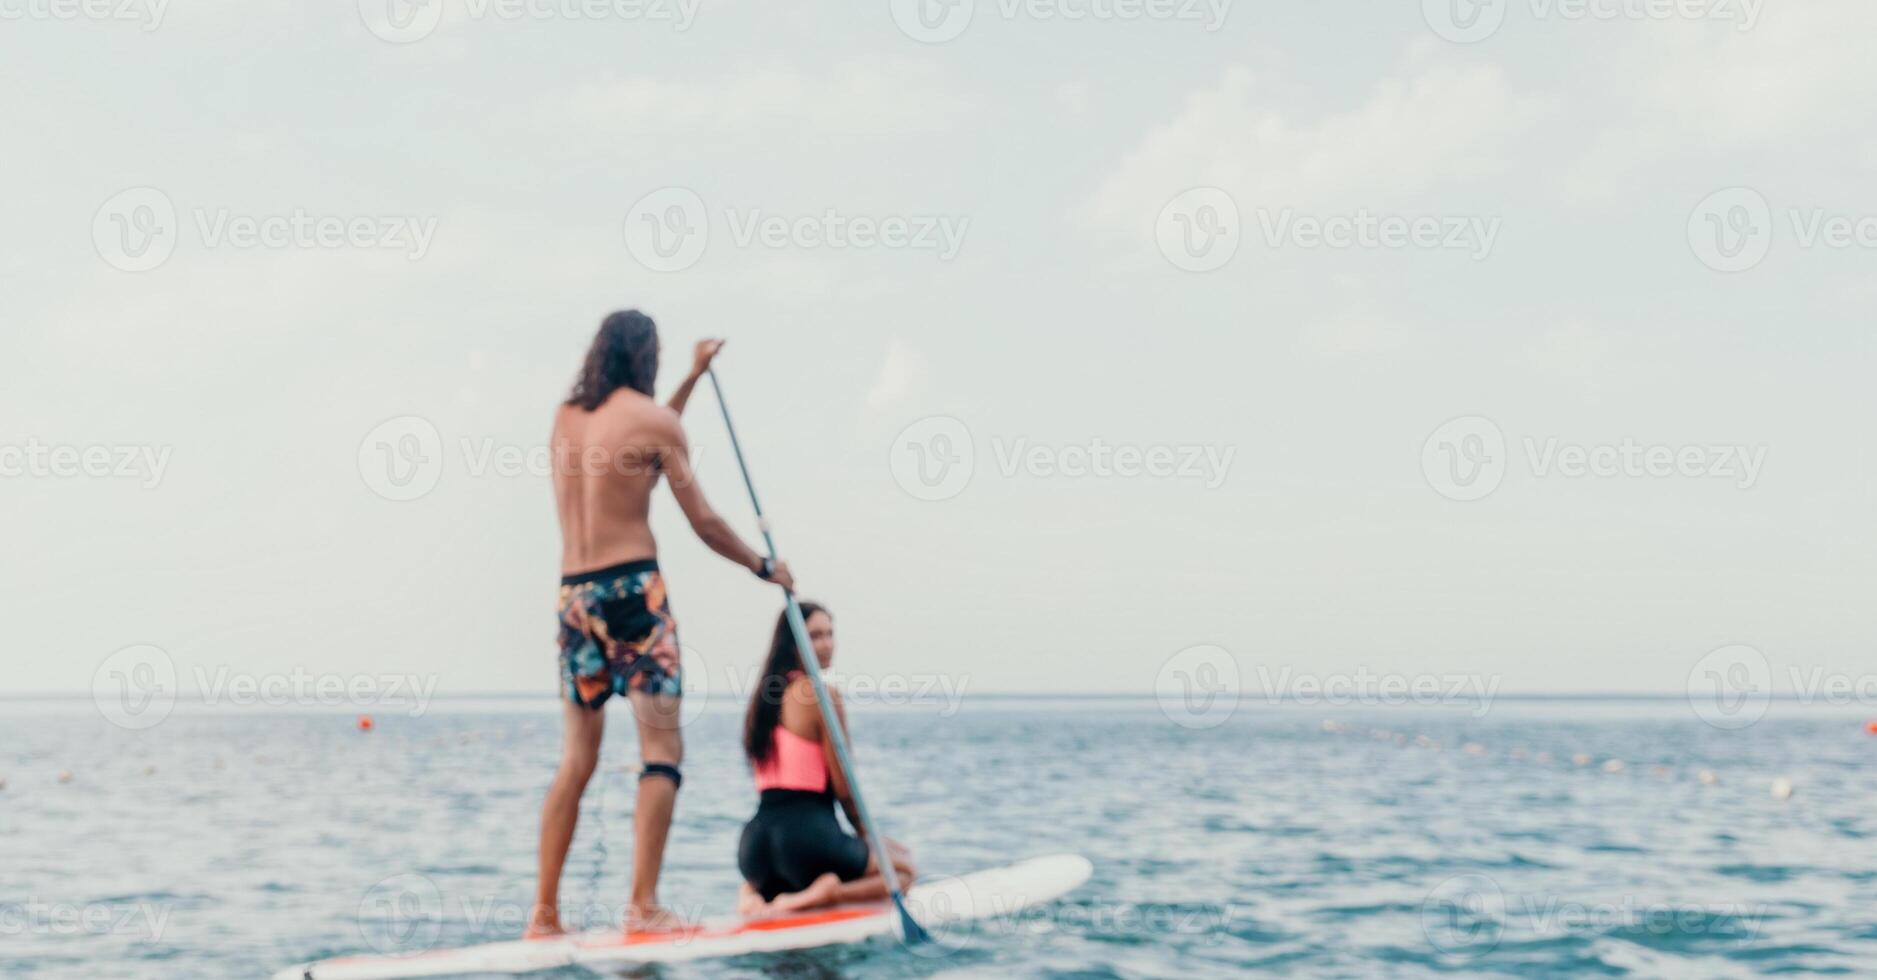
(661, 744)
(581, 730)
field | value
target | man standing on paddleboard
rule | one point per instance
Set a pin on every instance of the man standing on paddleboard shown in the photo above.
(611, 444)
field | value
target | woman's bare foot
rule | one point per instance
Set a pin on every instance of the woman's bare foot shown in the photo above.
(750, 904)
(821, 892)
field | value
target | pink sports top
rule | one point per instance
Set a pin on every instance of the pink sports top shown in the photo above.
(794, 763)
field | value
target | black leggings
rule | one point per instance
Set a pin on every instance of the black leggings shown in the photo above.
(793, 839)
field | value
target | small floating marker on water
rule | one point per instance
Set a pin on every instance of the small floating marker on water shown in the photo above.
(66, 776)
(1870, 727)
(365, 723)
(1612, 765)
(1782, 788)
(1659, 772)
(149, 770)
(1332, 725)
(1707, 777)
(1580, 759)
(1473, 748)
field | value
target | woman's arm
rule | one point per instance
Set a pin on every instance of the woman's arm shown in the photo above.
(700, 362)
(835, 773)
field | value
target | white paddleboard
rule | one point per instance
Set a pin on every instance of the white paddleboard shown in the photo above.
(935, 903)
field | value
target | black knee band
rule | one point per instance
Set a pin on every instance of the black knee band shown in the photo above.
(661, 769)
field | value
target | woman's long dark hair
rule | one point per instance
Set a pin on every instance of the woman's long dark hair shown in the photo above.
(624, 355)
(765, 703)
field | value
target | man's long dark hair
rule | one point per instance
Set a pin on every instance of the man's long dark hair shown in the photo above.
(624, 355)
(765, 703)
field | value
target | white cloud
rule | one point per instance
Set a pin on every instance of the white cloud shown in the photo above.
(1712, 88)
(1439, 124)
(900, 372)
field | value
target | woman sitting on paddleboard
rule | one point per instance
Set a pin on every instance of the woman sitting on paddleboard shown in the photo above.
(794, 854)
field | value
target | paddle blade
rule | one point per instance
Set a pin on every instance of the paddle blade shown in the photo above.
(906, 927)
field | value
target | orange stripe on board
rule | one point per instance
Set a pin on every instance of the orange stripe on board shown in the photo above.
(820, 917)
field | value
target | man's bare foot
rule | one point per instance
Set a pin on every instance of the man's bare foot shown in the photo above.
(652, 918)
(543, 923)
(821, 892)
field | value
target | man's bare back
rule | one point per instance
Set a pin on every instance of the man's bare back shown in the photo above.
(607, 463)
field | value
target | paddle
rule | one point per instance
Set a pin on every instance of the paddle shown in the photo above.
(906, 926)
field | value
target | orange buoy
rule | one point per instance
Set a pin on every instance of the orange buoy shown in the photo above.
(1871, 727)
(364, 723)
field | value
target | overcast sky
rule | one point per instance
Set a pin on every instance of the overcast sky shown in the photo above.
(1504, 341)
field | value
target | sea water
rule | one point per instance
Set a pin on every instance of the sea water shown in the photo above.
(1549, 838)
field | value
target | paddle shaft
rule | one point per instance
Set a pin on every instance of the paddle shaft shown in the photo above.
(909, 929)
